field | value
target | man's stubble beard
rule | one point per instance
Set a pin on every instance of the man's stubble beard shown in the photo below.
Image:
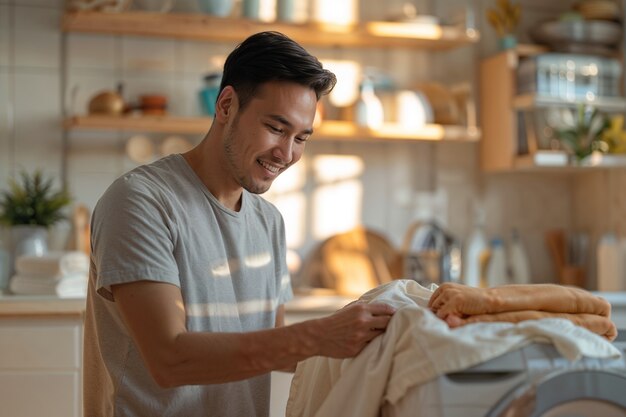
(231, 157)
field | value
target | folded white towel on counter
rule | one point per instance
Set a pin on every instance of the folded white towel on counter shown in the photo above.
(416, 348)
(53, 264)
(70, 286)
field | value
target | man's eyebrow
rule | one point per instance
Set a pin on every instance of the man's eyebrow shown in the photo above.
(287, 123)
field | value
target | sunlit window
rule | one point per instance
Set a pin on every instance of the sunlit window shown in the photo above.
(348, 75)
(335, 12)
(338, 194)
(287, 195)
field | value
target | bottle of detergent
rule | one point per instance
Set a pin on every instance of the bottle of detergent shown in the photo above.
(476, 245)
(368, 107)
(611, 264)
(497, 270)
(520, 266)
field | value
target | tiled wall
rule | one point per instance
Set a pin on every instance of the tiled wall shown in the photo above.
(31, 65)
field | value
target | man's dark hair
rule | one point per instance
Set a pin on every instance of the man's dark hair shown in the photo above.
(272, 56)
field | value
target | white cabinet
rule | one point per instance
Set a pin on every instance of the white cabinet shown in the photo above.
(40, 364)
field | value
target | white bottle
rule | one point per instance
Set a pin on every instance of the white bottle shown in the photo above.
(610, 260)
(497, 273)
(476, 245)
(520, 266)
(368, 107)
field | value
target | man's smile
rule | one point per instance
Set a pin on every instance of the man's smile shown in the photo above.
(272, 168)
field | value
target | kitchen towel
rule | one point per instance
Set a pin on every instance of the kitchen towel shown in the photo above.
(54, 264)
(70, 286)
(416, 348)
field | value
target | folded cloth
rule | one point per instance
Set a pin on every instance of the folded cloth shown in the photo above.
(73, 285)
(52, 264)
(416, 348)
(597, 324)
(47, 279)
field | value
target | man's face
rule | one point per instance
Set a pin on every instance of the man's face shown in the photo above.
(269, 134)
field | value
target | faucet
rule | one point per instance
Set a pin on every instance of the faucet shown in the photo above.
(431, 254)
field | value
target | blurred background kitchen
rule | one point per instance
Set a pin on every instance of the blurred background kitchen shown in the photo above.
(473, 141)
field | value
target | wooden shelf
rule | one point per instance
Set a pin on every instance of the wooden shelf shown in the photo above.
(529, 49)
(205, 27)
(537, 163)
(328, 131)
(531, 101)
(157, 124)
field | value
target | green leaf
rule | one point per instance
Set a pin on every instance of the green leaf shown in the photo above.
(33, 201)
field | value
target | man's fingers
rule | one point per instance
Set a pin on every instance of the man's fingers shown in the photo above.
(454, 321)
(381, 309)
(380, 322)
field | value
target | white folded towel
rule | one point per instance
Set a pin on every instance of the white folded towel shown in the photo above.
(72, 285)
(52, 264)
(416, 348)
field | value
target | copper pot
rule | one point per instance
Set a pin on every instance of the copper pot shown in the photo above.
(106, 102)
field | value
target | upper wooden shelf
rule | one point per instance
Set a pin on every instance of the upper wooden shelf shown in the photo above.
(600, 162)
(533, 100)
(209, 28)
(529, 49)
(329, 130)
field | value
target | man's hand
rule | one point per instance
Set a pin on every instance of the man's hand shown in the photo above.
(349, 330)
(458, 300)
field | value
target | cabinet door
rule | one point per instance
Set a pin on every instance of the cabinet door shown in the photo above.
(40, 344)
(31, 393)
(40, 367)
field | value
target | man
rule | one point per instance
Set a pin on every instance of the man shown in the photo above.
(188, 273)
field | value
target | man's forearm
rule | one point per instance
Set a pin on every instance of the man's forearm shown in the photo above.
(235, 356)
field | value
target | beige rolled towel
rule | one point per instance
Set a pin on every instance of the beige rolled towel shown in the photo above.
(459, 305)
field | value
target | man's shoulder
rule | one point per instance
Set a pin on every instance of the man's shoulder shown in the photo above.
(149, 177)
(156, 182)
(261, 205)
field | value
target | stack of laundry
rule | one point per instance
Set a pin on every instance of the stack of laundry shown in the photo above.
(63, 274)
(417, 347)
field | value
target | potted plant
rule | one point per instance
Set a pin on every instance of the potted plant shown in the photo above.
(584, 135)
(504, 18)
(29, 207)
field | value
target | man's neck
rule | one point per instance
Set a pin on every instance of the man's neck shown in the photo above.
(204, 161)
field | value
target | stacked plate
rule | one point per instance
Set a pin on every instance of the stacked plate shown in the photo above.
(599, 10)
(579, 36)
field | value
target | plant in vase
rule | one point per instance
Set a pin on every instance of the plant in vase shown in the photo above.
(584, 136)
(615, 135)
(29, 207)
(504, 18)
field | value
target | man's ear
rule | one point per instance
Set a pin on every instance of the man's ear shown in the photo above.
(226, 104)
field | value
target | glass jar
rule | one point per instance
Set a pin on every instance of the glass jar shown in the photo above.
(208, 95)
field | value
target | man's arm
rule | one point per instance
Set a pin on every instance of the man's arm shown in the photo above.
(155, 316)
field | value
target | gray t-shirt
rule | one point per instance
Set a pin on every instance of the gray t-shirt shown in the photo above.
(159, 222)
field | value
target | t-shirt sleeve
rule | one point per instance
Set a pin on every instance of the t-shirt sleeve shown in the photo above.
(132, 236)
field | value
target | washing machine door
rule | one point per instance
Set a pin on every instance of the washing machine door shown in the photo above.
(584, 393)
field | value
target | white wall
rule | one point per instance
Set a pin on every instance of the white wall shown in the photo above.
(31, 135)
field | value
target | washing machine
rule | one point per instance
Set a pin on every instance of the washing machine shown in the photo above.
(535, 381)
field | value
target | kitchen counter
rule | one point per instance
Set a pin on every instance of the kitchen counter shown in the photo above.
(308, 307)
(50, 306)
(17, 306)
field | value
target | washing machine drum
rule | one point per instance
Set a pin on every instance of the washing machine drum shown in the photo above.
(588, 393)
